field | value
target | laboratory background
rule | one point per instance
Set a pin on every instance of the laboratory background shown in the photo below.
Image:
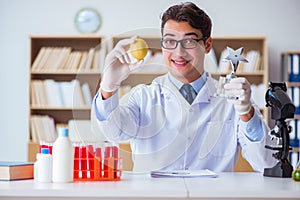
(277, 20)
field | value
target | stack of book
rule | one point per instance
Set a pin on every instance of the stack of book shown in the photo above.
(55, 59)
(43, 130)
(49, 93)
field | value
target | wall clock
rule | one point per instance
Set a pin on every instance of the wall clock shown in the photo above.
(87, 20)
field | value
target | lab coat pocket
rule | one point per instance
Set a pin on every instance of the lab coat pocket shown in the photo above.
(219, 140)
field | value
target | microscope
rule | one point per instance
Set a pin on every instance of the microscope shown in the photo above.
(281, 109)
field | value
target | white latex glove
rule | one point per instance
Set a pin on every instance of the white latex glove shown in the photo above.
(239, 87)
(118, 66)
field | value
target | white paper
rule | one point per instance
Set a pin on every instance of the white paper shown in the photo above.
(182, 173)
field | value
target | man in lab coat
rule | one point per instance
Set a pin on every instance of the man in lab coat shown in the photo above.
(167, 131)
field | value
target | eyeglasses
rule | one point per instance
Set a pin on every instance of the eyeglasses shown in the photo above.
(187, 43)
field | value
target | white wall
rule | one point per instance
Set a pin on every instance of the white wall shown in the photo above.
(278, 20)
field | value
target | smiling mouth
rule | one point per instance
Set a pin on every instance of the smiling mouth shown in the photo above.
(180, 63)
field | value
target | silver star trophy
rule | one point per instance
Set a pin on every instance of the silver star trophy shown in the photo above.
(234, 57)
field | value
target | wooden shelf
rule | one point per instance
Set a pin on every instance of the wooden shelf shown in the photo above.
(295, 149)
(59, 108)
(293, 84)
(297, 117)
(65, 72)
(62, 114)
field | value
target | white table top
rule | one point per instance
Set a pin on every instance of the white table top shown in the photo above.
(142, 186)
(242, 185)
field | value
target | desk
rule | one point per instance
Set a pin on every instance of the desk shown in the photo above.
(142, 186)
(243, 185)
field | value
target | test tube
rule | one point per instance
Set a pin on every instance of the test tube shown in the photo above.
(76, 162)
(115, 155)
(90, 161)
(98, 164)
(82, 162)
(107, 155)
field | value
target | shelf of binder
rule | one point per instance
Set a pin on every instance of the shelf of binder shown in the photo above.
(291, 63)
(294, 92)
(291, 74)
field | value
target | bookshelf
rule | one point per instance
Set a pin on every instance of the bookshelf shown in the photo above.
(290, 62)
(260, 75)
(58, 74)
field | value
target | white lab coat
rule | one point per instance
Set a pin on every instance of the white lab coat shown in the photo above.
(166, 132)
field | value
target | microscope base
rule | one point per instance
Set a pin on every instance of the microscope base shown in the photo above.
(282, 169)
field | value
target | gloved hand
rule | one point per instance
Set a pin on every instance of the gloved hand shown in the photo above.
(118, 66)
(239, 87)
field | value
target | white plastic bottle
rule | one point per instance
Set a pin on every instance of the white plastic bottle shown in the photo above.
(44, 166)
(63, 158)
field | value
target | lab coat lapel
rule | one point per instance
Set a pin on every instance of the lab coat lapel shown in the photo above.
(207, 91)
(169, 90)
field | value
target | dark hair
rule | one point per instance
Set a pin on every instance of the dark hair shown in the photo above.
(190, 13)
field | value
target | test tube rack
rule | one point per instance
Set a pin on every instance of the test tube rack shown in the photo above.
(91, 164)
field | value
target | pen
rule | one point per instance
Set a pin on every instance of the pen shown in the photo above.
(180, 173)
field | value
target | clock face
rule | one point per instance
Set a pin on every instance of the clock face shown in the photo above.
(87, 20)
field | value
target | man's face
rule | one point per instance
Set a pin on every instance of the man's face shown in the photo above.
(184, 64)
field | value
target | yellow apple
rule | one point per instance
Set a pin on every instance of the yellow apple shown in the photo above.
(139, 49)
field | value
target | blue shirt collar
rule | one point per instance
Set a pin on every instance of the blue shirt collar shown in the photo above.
(197, 84)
